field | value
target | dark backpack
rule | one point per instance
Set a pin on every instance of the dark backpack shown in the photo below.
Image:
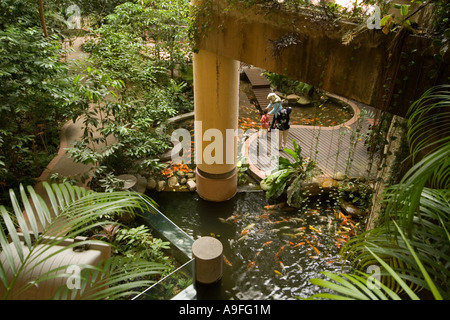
(283, 120)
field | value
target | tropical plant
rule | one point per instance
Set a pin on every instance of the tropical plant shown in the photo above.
(412, 235)
(35, 89)
(118, 136)
(72, 211)
(367, 287)
(291, 174)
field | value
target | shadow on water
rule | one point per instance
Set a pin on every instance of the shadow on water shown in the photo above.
(270, 250)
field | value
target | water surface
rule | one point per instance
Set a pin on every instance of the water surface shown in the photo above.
(270, 250)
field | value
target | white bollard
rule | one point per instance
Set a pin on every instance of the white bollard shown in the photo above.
(208, 255)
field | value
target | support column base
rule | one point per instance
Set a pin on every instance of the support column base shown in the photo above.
(216, 187)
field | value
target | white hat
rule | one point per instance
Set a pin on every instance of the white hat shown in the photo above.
(273, 97)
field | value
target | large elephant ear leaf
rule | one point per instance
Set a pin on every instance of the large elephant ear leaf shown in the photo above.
(279, 182)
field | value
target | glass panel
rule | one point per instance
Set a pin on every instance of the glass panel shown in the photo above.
(170, 286)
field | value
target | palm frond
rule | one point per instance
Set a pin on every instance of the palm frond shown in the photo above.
(36, 232)
(365, 287)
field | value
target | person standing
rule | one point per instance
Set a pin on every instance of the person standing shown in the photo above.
(275, 104)
(265, 122)
(282, 120)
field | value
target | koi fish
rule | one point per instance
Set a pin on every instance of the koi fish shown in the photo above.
(263, 216)
(227, 261)
(275, 206)
(315, 249)
(314, 229)
(343, 217)
(249, 227)
(278, 272)
(282, 266)
(244, 232)
(280, 251)
(297, 220)
(242, 238)
(251, 265)
(230, 219)
(299, 244)
(329, 225)
(291, 243)
(265, 244)
(291, 235)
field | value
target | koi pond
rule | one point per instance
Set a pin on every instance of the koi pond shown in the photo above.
(271, 251)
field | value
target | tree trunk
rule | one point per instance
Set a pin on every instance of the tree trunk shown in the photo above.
(41, 14)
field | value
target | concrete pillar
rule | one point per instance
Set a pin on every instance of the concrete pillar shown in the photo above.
(208, 255)
(216, 99)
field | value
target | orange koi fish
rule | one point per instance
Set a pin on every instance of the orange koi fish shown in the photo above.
(227, 261)
(344, 222)
(278, 272)
(283, 220)
(315, 249)
(251, 265)
(244, 232)
(265, 244)
(275, 206)
(278, 253)
(299, 244)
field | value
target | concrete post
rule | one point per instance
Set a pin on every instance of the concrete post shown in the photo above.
(216, 98)
(208, 255)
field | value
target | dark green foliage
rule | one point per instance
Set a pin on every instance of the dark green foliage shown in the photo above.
(35, 88)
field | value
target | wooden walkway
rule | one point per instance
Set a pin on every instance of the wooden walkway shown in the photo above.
(334, 149)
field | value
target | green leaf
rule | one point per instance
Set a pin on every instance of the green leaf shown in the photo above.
(404, 10)
(384, 20)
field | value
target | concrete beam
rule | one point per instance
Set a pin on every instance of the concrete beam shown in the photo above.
(305, 47)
